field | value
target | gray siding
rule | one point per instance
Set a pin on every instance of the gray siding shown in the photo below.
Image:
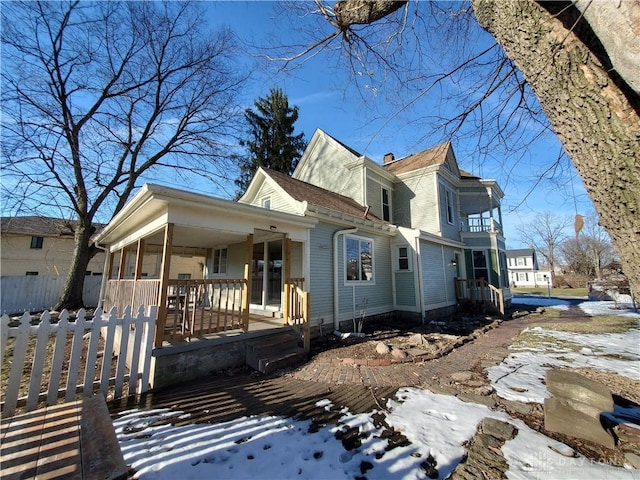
(405, 289)
(321, 270)
(437, 275)
(449, 230)
(379, 296)
(278, 202)
(416, 201)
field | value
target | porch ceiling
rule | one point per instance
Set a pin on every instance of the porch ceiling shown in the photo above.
(479, 202)
(197, 237)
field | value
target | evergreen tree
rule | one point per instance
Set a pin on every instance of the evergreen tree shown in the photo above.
(271, 143)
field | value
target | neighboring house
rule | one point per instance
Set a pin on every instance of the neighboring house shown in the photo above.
(33, 245)
(414, 236)
(524, 271)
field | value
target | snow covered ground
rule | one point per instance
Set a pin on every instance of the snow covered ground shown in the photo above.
(269, 447)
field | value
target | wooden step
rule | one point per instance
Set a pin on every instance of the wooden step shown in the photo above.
(269, 353)
(278, 361)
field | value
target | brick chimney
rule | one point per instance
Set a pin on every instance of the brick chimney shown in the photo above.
(388, 158)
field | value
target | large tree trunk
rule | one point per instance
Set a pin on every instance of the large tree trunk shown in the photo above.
(592, 109)
(71, 296)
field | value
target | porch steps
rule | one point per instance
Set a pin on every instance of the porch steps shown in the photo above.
(268, 354)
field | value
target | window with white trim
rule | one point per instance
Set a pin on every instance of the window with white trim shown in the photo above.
(220, 261)
(403, 265)
(521, 261)
(449, 205)
(358, 259)
(386, 205)
(266, 203)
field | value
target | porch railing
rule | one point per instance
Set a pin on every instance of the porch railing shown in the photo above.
(480, 225)
(201, 307)
(480, 292)
(129, 292)
(296, 310)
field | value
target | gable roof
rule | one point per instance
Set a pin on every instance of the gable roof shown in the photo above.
(521, 252)
(320, 197)
(41, 226)
(432, 156)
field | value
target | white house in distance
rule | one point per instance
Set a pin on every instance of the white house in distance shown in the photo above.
(524, 271)
(343, 236)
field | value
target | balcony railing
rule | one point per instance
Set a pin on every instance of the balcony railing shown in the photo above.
(480, 225)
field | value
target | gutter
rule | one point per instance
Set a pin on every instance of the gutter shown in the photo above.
(336, 301)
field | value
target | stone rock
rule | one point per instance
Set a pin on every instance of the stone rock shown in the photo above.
(502, 430)
(417, 339)
(560, 416)
(484, 390)
(579, 388)
(519, 407)
(382, 348)
(397, 353)
(485, 400)
(462, 377)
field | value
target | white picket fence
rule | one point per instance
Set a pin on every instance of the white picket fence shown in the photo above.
(126, 341)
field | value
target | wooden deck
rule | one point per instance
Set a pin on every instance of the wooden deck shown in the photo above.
(227, 397)
(67, 441)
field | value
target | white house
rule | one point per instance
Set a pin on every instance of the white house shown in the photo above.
(524, 271)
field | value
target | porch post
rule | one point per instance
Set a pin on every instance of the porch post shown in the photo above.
(246, 291)
(123, 262)
(137, 274)
(287, 280)
(164, 277)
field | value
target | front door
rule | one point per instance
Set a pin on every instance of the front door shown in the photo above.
(266, 273)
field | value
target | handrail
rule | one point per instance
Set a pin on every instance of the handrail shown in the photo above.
(479, 291)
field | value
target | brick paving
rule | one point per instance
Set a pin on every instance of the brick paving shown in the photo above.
(488, 347)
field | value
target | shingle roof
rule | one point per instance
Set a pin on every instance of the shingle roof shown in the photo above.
(40, 226)
(314, 195)
(432, 156)
(522, 252)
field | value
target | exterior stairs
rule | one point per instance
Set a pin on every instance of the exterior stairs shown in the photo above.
(270, 353)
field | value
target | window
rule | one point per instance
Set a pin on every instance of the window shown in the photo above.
(36, 242)
(266, 203)
(450, 203)
(220, 261)
(184, 276)
(359, 259)
(480, 265)
(403, 259)
(386, 205)
(31, 273)
(521, 262)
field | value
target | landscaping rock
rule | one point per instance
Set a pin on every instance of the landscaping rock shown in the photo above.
(462, 377)
(397, 353)
(382, 348)
(632, 460)
(576, 407)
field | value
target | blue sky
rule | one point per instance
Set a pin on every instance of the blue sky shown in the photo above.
(369, 112)
(368, 123)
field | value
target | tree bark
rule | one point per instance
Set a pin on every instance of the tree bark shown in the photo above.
(593, 113)
(71, 296)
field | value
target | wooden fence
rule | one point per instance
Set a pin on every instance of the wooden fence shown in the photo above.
(46, 358)
(34, 293)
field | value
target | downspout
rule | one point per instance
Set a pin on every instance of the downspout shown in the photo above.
(105, 275)
(336, 301)
(420, 284)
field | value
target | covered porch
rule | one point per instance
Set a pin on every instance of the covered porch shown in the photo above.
(213, 267)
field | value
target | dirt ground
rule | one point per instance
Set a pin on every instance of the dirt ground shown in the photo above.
(439, 340)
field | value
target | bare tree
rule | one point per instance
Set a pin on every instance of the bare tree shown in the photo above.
(579, 58)
(545, 233)
(589, 251)
(97, 95)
